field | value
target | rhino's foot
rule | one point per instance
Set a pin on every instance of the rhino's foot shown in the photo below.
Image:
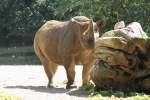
(49, 85)
(71, 86)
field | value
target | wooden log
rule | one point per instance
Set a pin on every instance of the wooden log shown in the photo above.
(122, 59)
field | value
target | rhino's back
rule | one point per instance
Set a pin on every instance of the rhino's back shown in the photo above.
(55, 40)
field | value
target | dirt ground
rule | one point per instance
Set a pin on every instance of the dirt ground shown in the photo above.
(29, 82)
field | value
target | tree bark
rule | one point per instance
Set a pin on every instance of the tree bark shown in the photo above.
(122, 59)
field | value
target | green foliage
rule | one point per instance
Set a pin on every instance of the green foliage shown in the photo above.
(89, 87)
(22, 18)
(112, 94)
(114, 10)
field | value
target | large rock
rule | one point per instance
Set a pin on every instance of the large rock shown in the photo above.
(122, 59)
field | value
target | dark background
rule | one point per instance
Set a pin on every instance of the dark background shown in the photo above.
(20, 19)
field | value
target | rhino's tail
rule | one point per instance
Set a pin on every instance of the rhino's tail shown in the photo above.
(38, 51)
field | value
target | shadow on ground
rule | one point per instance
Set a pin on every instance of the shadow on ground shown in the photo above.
(72, 92)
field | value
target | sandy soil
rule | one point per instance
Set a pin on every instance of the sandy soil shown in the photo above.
(29, 82)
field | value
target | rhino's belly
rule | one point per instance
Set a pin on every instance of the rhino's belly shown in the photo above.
(59, 59)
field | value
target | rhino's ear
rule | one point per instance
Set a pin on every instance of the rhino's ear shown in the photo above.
(86, 27)
(100, 23)
(88, 36)
(83, 24)
(89, 28)
(86, 32)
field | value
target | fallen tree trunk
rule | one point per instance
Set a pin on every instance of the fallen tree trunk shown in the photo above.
(122, 59)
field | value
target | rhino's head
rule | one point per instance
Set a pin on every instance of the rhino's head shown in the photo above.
(87, 27)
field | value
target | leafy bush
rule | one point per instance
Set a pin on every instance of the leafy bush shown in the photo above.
(112, 94)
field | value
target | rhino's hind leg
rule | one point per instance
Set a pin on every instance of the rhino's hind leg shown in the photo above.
(50, 69)
(70, 70)
(49, 66)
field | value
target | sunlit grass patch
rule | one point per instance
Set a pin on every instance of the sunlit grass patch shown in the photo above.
(65, 81)
(4, 96)
(137, 97)
(97, 97)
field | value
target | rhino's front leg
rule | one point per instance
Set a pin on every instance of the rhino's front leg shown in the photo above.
(85, 74)
(70, 70)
